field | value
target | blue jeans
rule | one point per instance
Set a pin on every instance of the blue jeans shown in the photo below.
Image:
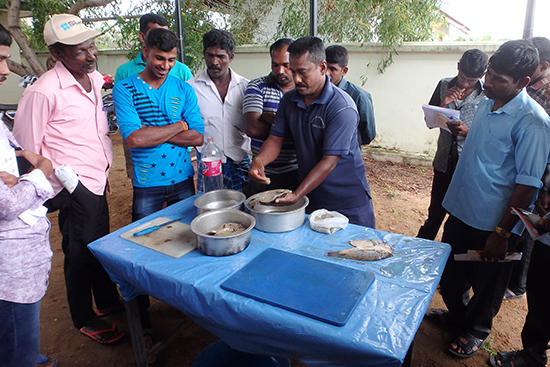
(149, 200)
(19, 334)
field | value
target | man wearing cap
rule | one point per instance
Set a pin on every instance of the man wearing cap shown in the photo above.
(61, 117)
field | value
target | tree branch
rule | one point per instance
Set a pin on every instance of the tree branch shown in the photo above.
(18, 68)
(82, 4)
(14, 9)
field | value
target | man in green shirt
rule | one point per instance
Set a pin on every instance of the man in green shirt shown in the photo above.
(146, 23)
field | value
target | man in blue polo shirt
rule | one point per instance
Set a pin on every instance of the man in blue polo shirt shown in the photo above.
(501, 165)
(322, 119)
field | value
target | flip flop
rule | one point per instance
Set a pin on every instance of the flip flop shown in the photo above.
(507, 358)
(468, 347)
(46, 361)
(441, 318)
(508, 295)
(94, 334)
(116, 308)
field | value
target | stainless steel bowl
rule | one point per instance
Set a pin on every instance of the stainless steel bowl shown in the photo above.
(219, 199)
(277, 218)
(222, 246)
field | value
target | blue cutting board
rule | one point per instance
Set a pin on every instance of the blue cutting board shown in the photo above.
(318, 289)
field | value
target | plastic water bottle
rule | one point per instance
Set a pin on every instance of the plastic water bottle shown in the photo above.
(211, 166)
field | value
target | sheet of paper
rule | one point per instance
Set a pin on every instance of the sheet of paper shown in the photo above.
(438, 116)
(536, 225)
(8, 161)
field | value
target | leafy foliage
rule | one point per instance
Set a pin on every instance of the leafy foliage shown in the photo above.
(390, 22)
(41, 12)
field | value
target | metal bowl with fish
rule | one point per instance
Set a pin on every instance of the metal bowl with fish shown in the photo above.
(223, 232)
(219, 199)
(270, 218)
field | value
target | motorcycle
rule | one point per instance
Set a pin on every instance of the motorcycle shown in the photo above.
(108, 104)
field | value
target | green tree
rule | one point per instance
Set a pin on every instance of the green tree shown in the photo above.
(390, 22)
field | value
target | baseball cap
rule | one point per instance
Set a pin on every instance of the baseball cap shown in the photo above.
(67, 29)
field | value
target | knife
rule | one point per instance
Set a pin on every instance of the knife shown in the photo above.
(145, 231)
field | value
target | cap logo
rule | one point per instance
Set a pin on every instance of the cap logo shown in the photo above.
(66, 26)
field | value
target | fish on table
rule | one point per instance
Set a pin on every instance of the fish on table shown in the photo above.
(365, 249)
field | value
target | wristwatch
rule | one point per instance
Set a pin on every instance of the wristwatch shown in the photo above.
(502, 232)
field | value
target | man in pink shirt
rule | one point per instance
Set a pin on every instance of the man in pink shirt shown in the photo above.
(61, 117)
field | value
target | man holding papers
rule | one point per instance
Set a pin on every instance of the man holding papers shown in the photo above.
(500, 167)
(461, 93)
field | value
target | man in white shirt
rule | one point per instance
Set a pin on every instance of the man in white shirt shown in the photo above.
(220, 94)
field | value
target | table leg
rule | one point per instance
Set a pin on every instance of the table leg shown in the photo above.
(136, 333)
(408, 358)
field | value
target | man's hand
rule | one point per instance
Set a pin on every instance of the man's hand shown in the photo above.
(542, 202)
(257, 172)
(495, 248)
(9, 180)
(289, 199)
(459, 129)
(452, 95)
(38, 161)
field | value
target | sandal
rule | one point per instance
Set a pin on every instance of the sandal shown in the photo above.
(507, 358)
(117, 307)
(106, 334)
(508, 295)
(471, 347)
(440, 317)
(46, 361)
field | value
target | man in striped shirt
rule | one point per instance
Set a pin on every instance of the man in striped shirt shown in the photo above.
(260, 104)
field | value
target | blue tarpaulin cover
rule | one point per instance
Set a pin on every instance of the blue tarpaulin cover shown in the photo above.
(378, 332)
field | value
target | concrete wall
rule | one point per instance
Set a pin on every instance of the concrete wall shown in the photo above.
(398, 94)
(10, 91)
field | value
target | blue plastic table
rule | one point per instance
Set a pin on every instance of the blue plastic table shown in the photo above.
(379, 331)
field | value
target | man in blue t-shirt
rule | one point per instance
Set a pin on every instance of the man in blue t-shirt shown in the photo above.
(322, 119)
(159, 118)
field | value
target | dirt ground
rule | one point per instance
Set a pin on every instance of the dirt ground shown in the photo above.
(401, 198)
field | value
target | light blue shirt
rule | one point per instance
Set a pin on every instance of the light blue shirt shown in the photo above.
(180, 71)
(504, 148)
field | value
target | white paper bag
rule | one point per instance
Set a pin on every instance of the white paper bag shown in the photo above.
(325, 221)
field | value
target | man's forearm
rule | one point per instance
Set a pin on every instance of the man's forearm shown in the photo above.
(270, 149)
(188, 138)
(521, 198)
(258, 126)
(546, 179)
(317, 175)
(151, 136)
